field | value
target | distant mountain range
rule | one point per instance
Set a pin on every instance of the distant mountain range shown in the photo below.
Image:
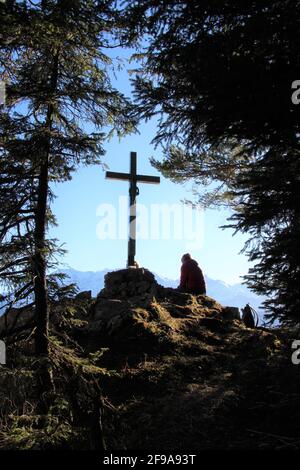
(235, 295)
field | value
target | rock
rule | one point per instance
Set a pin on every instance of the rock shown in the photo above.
(231, 313)
(85, 295)
(128, 283)
(112, 315)
(15, 319)
(124, 290)
(212, 324)
(134, 311)
(105, 309)
(119, 309)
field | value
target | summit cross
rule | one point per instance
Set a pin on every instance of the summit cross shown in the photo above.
(133, 178)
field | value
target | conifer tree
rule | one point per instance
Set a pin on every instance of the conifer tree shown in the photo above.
(219, 76)
(60, 106)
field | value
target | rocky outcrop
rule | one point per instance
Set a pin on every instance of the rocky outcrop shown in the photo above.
(129, 296)
(84, 295)
(15, 320)
(189, 373)
(176, 371)
(132, 297)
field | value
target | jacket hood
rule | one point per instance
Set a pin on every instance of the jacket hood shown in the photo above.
(191, 261)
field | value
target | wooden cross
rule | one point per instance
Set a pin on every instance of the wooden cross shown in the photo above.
(133, 178)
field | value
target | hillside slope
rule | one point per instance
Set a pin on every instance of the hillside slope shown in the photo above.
(189, 374)
(175, 371)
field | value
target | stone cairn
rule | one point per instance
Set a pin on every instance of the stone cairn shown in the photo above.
(129, 282)
(127, 289)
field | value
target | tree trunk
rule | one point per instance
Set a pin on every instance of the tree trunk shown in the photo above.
(45, 380)
(96, 428)
(40, 282)
(44, 376)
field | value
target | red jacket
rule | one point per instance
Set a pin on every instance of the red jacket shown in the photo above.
(192, 279)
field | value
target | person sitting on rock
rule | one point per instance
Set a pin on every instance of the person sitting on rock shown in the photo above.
(191, 279)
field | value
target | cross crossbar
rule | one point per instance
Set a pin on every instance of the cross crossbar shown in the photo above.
(113, 175)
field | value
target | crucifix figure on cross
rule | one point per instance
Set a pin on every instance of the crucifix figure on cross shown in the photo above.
(133, 179)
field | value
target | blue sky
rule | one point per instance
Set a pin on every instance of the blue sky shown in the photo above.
(77, 203)
(76, 210)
